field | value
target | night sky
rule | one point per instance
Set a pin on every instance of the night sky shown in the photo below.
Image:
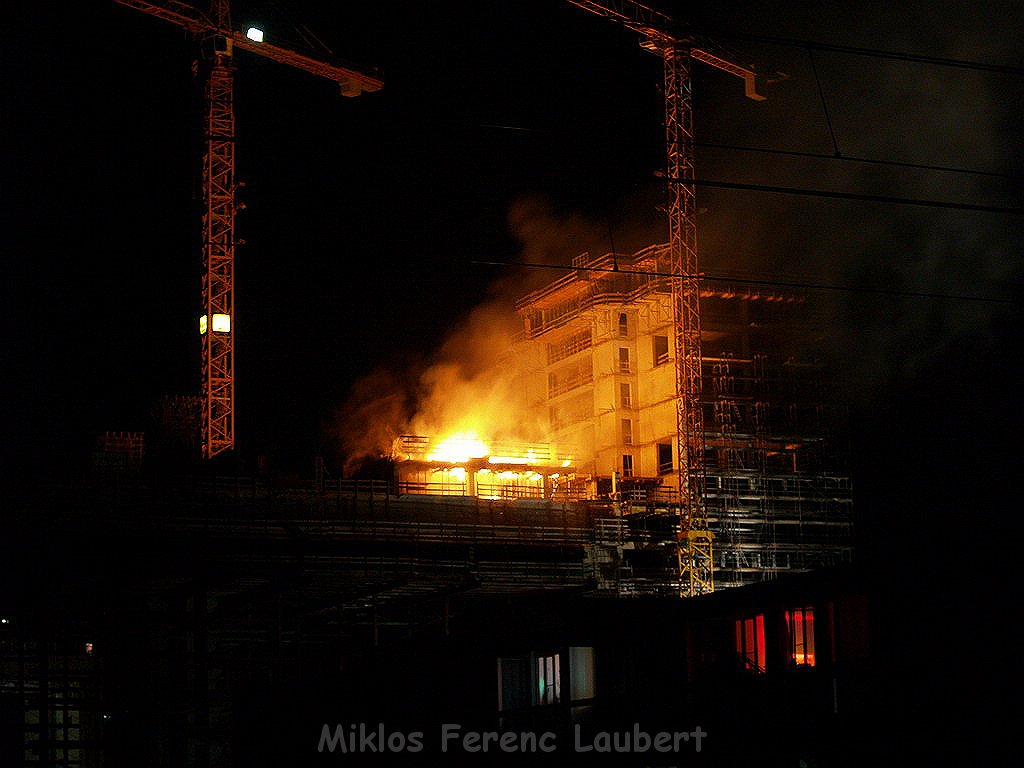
(528, 130)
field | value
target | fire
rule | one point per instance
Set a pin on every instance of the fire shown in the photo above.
(459, 448)
(462, 464)
(530, 457)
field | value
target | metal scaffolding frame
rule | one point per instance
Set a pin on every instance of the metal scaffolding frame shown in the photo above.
(775, 492)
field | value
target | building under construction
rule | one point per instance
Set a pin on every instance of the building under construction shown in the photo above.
(228, 590)
(595, 358)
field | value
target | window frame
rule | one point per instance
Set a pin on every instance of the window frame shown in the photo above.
(627, 431)
(666, 468)
(750, 645)
(663, 358)
(625, 394)
(800, 649)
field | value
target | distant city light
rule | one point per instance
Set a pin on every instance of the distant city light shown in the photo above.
(255, 34)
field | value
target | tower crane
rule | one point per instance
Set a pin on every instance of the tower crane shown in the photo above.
(218, 41)
(678, 49)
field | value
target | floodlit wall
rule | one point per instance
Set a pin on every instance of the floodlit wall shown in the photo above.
(600, 345)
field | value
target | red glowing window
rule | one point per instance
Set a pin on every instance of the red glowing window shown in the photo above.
(800, 626)
(750, 642)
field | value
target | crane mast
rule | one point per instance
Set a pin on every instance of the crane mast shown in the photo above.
(217, 383)
(694, 551)
(678, 51)
(218, 40)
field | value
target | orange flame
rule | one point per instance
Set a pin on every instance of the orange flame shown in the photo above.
(459, 448)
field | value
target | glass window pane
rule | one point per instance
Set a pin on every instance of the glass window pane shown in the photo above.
(581, 667)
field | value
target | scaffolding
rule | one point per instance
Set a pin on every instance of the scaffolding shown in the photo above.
(50, 696)
(776, 494)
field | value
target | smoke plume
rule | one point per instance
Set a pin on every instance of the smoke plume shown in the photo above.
(468, 384)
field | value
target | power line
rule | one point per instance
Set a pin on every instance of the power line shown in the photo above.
(788, 153)
(851, 159)
(824, 105)
(755, 281)
(845, 195)
(874, 53)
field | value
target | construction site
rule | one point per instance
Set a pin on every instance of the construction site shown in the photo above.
(241, 582)
(638, 515)
(594, 359)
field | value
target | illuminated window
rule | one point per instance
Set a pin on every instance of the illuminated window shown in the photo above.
(532, 680)
(549, 682)
(624, 359)
(660, 350)
(627, 465)
(581, 672)
(623, 325)
(664, 458)
(750, 642)
(800, 626)
(627, 431)
(625, 396)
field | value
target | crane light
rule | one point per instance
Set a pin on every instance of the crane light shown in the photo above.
(221, 324)
(255, 34)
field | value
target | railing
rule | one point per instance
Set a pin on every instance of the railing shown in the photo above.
(610, 530)
(404, 522)
(354, 487)
(420, 447)
(561, 386)
(570, 346)
(431, 489)
(622, 288)
(503, 491)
